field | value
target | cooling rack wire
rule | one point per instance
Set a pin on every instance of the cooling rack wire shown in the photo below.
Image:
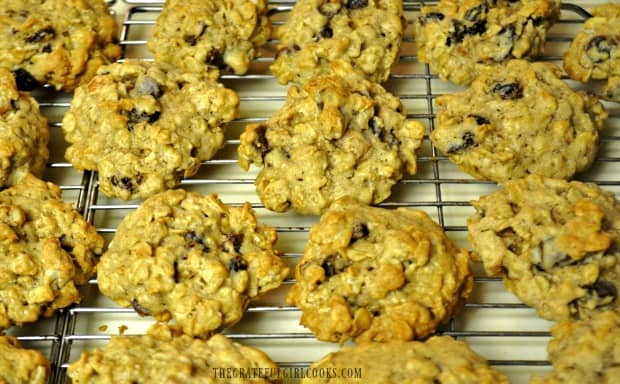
(493, 321)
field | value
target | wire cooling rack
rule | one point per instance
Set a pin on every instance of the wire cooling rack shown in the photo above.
(493, 321)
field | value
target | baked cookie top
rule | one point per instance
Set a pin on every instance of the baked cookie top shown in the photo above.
(556, 243)
(438, 359)
(23, 133)
(459, 37)
(334, 137)
(47, 251)
(374, 274)
(144, 126)
(212, 35)
(21, 366)
(167, 355)
(365, 34)
(595, 51)
(190, 257)
(584, 352)
(519, 119)
(56, 42)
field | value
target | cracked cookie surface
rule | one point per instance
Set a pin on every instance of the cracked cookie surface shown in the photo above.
(519, 119)
(19, 365)
(595, 51)
(458, 38)
(56, 42)
(556, 244)
(334, 137)
(144, 126)
(375, 274)
(364, 34)
(210, 36)
(48, 251)
(189, 257)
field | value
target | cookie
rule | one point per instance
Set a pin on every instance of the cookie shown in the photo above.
(364, 34)
(595, 51)
(21, 366)
(209, 36)
(334, 137)
(47, 251)
(144, 126)
(374, 274)
(556, 244)
(440, 359)
(167, 355)
(56, 42)
(519, 119)
(190, 257)
(24, 133)
(585, 352)
(459, 38)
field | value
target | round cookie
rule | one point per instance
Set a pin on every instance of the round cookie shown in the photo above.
(24, 133)
(334, 137)
(47, 251)
(375, 274)
(595, 51)
(190, 257)
(459, 38)
(56, 42)
(143, 126)
(21, 366)
(556, 244)
(585, 352)
(440, 359)
(167, 355)
(209, 36)
(363, 34)
(519, 119)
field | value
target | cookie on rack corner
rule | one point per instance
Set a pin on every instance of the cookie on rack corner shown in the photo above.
(364, 34)
(337, 136)
(595, 51)
(519, 118)
(48, 250)
(190, 257)
(209, 36)
(24, 133)
(144, 126)
(440, 359)
(165, 355)
(375, 274)
(56, 42)
(459, 38)
(584, 352)
(19, 365)
(555, 243)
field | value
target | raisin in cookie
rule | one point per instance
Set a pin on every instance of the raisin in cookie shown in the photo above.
(440, 359)
(458, 38)
(165, 355)
(334, 137)
(375, 274)
(519, 119)
(21, 366)
(585, 352)
(144, 126)
(47, 251)
(365, 34)
(56, 42)
(556, 243)
(212, 35)
(23, 133)
(190, 257)
(595, 51)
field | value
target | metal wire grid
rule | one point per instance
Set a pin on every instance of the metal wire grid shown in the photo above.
(443, 192)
